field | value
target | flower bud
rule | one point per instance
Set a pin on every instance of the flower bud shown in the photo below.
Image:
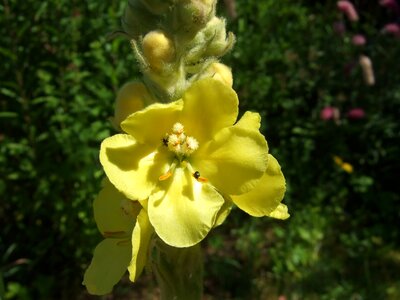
(367, 69)
(158, 49)
(133, 96)
(215, 33)
(211, 41)
(194, 14)
(219, 72)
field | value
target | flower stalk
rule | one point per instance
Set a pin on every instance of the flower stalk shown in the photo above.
(179, 271)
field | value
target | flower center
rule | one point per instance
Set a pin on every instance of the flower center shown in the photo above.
(182, 146)
(179, 143)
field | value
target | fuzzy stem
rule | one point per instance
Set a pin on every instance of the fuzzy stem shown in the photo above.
(179, 271)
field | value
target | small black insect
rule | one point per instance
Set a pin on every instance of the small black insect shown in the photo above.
(196, 174)
(165, 141)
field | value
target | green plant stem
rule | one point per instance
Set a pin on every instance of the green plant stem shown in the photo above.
(179, 272)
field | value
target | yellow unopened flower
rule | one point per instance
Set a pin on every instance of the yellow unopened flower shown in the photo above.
(158, 48)
(183, 161)
(220, 72)
(133, 96)
(126, 229)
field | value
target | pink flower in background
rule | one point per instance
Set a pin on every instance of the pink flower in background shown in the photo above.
(390, 4)
(392, 28)
(358, 40)
(348, 9)
(330, 113)
(356, 113)
(339, 27)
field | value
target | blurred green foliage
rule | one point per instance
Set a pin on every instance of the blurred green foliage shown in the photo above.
(59, 76)
(60, 73)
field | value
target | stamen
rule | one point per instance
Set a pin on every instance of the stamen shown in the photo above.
(165, 176)
(191, 144)
(177, 128)
(182, 146)
(202, 179)
(179, 143)
(196, 174)
(169, 173)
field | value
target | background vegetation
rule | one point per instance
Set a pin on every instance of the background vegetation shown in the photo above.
(59, 76)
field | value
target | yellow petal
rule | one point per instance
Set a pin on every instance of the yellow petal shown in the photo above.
(224, 211)
(268, 193)
(115, 215)
(234, 161)
(109, 263)
(150, 125)
(250, 120)
(281, 212)
(133, 96)
(209, 106)
(131, 167)
(184, 210)
(141, 237)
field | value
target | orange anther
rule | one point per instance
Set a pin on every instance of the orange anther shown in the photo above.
(165, 176)
(202, 179)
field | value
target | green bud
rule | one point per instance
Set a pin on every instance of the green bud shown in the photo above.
(212, 41)
(193, 15)
(220, 43)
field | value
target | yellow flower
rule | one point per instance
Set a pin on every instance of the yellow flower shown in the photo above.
(347, 167)
(183, 161)
(126, 229)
